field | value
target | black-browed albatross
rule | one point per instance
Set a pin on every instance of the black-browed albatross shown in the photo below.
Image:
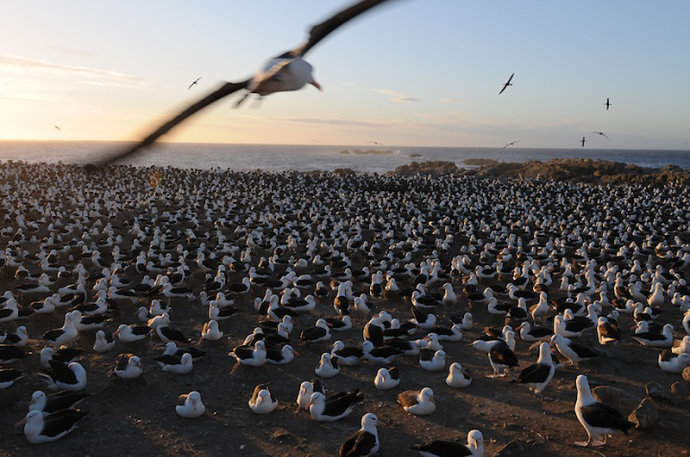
(286, 72)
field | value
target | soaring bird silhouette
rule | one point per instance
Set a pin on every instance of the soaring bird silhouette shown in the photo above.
(286, 72)
(510, 144)
(583, 141)
(507, 83)
(194, 83)
(607, 104)
(602, 134)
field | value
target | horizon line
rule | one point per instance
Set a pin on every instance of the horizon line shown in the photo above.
(370, 146)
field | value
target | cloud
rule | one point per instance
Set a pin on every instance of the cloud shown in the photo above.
(73, 52)
(345, 122)
(22, 62)
(395, 96)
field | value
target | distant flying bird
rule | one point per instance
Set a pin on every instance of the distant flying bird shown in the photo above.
(194, 83)
(507, 84)
(607, 104)
(602, 134)
(286, 72)
(583, 141)
(376, 143)
(510, 144)
(57, 127)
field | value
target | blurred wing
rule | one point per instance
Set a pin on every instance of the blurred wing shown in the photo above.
(321, 31)
(223, 91)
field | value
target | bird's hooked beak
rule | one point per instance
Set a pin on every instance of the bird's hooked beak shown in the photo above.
(315, 84)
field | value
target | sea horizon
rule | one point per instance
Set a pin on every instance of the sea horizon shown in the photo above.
(303, 157)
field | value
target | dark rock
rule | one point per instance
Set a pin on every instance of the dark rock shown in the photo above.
(433, 168)
(586, 170)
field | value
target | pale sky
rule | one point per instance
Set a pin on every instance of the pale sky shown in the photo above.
(410, 73)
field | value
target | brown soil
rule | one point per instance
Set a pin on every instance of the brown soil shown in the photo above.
(138, 417)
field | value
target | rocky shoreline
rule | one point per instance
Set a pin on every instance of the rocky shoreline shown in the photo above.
(570, 170)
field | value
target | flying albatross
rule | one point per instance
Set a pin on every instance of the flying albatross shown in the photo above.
(286, 72)
(507, 83)
(194, 83)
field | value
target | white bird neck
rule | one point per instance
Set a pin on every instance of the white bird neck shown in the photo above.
(584, 394)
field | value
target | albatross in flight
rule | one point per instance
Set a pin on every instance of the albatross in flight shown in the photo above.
(286, 72)
(194, 83)
(602, 134)
(507, 83)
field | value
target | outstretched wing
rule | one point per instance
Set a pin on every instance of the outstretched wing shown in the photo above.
(321, 31)
(223, 91)
(316, 34)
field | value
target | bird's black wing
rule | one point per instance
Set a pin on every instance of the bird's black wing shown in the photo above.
(61, 421)
(258, 389)
(323, 29)
(316, 34)
(534, 373)
(223, 91)
(62, 372)
(63, 399)
(338, 404)
(122, 362)
(182, 399)
(601, 415)
(358, 444)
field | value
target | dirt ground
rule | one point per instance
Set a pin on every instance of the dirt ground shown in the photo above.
(127, 417)
(138, 416)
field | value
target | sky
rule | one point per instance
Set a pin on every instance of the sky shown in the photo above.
(407, 73)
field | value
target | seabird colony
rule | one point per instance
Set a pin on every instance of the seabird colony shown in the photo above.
(385, 288)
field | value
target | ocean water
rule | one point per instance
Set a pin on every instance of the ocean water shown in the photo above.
(243, 157)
